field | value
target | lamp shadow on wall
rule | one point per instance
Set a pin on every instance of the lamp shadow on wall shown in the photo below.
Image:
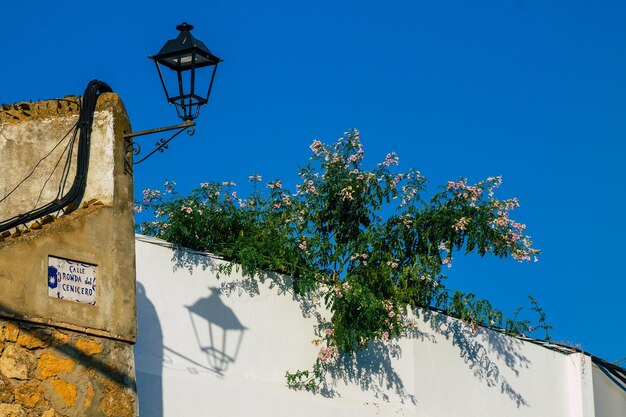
(371, 369)
(217, 330)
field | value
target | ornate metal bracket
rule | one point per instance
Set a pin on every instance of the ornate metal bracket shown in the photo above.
(133, 148)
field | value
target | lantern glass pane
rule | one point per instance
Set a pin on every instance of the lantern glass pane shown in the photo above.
(179, 88)
(184, 62)
(203, 79)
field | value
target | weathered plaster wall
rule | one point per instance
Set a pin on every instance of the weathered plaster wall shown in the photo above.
(29, 133)
(52, 372)
(100, 232)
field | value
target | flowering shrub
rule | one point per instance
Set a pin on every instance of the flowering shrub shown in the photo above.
(366, 240)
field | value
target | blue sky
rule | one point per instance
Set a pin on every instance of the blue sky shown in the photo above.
(534, 91)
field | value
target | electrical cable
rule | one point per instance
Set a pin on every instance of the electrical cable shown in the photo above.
(75, 194)
(65, 152)
(38, 162)
(67, 166)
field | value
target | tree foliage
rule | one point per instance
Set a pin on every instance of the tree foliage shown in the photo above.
(365, 239)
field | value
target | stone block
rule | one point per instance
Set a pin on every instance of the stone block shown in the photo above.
(51, 365)
(88, 347)
(16, 362)
(6, 390)
(116, 403)
(11, 332)
(66, 391)
(29, 395)
(58, 338)
(33, 339)
(12, 410)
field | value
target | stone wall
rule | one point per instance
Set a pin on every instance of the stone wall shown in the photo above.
(53, 372)
(100, 232)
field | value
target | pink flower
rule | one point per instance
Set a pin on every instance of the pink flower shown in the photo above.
(346, 193)
(390, 159)
(327, 354)
(316, 146)
(461, 224)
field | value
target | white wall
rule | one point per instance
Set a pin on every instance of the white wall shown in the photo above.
(609, 395)
(443, 370)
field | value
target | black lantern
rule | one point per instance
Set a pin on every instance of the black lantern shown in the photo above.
(186, 55)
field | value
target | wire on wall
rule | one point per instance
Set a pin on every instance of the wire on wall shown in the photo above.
(74, 195)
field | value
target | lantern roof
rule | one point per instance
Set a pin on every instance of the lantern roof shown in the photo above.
(177, 53)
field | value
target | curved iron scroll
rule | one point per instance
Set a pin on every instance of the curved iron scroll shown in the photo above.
(75, 194)
(133, 148)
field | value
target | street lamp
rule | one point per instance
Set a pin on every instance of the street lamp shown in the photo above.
(184, 55)
(181, 63)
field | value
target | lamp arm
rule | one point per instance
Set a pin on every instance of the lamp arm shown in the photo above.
(133, 148)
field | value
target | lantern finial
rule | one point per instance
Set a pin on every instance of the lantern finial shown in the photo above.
(184, 27)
